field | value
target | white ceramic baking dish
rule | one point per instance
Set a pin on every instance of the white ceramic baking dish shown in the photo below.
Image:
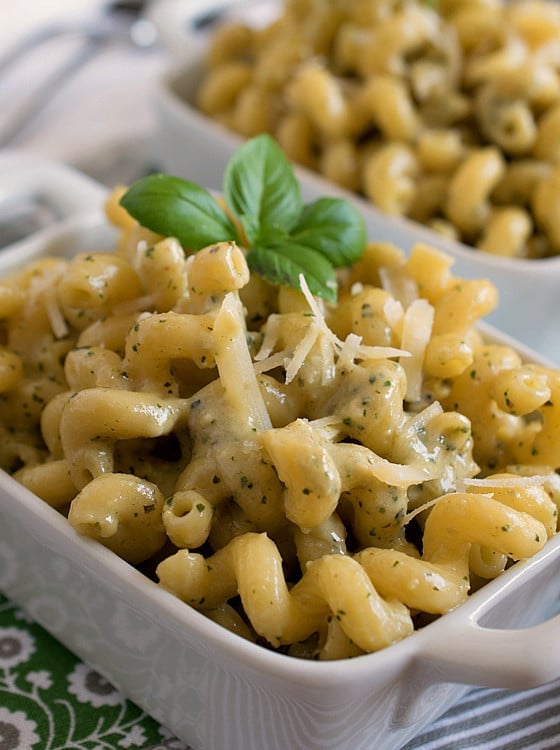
(193, 146)
(213, 689)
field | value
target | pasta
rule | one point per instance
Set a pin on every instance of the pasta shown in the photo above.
(320, 478)
(448, 114)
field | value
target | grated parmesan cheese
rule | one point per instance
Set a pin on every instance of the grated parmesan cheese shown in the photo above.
(348, 351)
(279, 359)
(407, 518)
(417, 329)
(394, 314)
(133, 305)
(269, 339)
(363, 351)
(54, 313)
(401, 286)
(301, 351)
(504, 482)
(396, 475)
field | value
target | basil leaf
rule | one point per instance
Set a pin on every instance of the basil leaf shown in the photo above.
(269, 236)
(251, 228)
(334, 228)
(282, 263)
(259, 182)
(285, 238)
(174, 207)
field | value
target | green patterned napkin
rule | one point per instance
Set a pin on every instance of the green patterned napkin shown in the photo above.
(50, 700)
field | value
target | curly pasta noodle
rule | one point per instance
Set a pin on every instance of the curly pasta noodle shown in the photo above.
(426, 110)
(318, 478)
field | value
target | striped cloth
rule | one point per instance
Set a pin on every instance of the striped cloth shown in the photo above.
(487, 720)
(497, 720)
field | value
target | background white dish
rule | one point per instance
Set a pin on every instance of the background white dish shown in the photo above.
(190, 145)
(213, 689)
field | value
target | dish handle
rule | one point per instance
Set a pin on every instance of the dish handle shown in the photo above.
(472, 654)
(36, 194)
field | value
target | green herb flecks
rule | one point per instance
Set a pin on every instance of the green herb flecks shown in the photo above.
(285, 238)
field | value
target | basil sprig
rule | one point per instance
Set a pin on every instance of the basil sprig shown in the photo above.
(284, 237)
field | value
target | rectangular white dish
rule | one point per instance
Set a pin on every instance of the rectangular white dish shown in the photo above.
(213, 689)
(191, 145)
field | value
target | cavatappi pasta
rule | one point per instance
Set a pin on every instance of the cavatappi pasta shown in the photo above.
(321, 479)
(447, 113)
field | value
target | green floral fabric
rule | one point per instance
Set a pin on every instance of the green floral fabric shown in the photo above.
(50, 700)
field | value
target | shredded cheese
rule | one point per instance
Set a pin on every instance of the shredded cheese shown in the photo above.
(394, 314)
(499, 482)
(423, 417)
(301, 351)
(401, 286)
(396, 475)
(417, 329)
(407, 518)
(132, 305)
(347, 351)
(363, 351)
(490, 483)
(318, 313)
(56, 318)
(269, 339)
(279, 359)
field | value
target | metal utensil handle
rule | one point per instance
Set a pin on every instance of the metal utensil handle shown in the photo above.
(31, 106)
